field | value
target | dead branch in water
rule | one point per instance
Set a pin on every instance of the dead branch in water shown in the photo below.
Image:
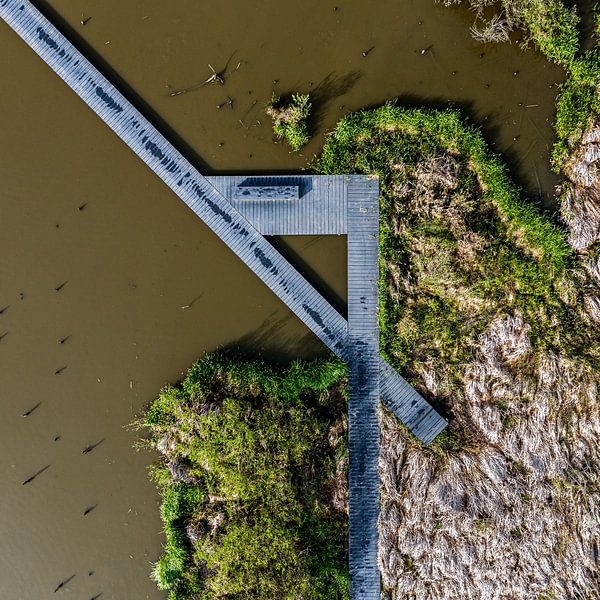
(217, 77)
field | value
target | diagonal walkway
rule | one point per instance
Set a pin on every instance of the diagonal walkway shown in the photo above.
(355, 340)
(202, 197)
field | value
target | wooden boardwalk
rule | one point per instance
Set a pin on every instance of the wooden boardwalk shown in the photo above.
(321, 208)
(341, 204)
(363, 379)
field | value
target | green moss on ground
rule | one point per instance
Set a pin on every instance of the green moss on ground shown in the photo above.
(252, 481)
(290, 119)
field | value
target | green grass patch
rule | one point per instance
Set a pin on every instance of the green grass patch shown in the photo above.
(373, 141)
(263, 449)
(459, 243)
(577, 104)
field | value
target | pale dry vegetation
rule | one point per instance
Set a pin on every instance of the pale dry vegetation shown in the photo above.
(513, 513)
(580, 206)
(507, 504)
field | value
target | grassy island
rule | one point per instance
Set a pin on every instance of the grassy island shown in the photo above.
(253, 481)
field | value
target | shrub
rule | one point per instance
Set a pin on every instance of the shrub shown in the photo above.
(263, 449)
(290, 119)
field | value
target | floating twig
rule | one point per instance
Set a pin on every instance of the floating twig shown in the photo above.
(35, 475)
(28, 412)
(216, 77)
(186, 306)
(91, 447)
(368, 51)
(228, 102)
(63, 583)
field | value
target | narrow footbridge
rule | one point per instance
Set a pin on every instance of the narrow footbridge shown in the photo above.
(241, 211)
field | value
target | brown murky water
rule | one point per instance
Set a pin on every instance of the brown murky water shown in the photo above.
(77, 207)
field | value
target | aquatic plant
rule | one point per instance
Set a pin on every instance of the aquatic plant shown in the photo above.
(550, 25)
(290, 119)
(493, 318)
(253, 481)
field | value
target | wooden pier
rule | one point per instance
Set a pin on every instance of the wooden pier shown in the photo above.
(241, 217)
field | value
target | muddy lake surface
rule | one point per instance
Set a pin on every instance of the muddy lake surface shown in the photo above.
(110, 287)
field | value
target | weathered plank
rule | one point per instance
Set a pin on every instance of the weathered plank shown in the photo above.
(363, 378)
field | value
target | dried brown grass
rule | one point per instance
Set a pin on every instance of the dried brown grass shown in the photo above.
(515, 513)
(508, 505)
(580, 207)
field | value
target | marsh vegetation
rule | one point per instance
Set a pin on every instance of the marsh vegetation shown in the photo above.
(493, 317)
(290, 119)
(253, 481)
(491, 309)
